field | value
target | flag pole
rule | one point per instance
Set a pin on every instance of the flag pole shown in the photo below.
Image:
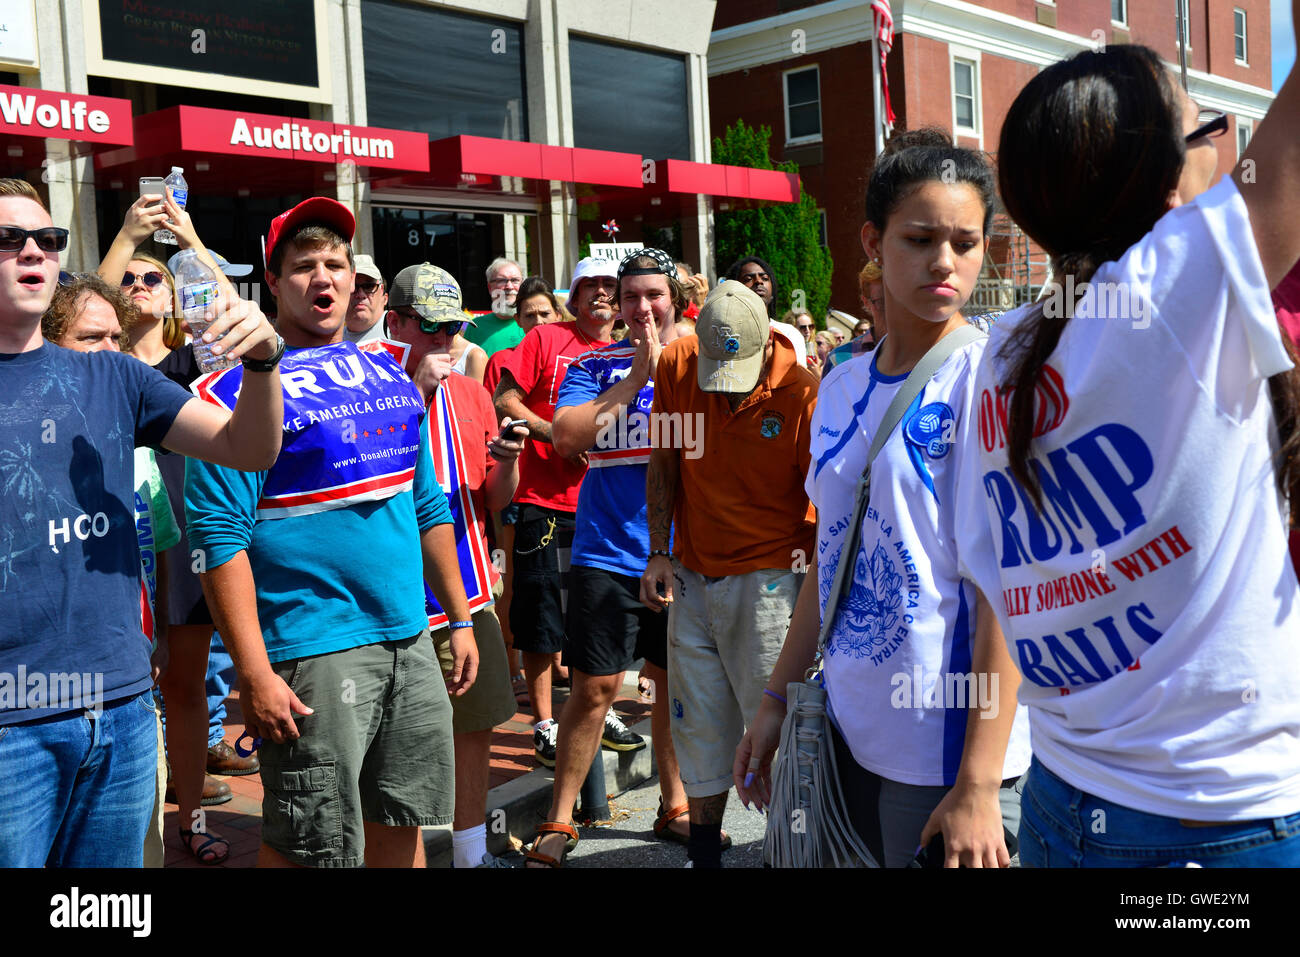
(1183, 29)
(878, 97)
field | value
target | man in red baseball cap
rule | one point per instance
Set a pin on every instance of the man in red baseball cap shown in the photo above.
(315, 572)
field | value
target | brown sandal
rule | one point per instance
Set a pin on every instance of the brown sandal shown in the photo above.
(666, 833)
(553, 827)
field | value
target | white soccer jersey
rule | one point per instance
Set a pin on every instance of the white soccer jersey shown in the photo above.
(898, 664)
(1153, 609)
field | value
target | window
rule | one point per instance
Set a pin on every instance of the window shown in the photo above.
(965, 102)
(1239, 34)
(1119, 12)
(604, 78)
(823, 233)
(803, 108)
(1244, 131)
(477, 88)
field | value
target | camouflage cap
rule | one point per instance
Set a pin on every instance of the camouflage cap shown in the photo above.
(431, 292)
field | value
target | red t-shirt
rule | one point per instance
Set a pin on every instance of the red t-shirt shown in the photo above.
(496, 362)
(538, 365)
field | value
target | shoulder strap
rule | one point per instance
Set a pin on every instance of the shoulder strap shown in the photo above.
(916, 381)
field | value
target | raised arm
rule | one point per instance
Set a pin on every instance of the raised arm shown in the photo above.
(249, 438)
(576, 427)
(142, 217)
(1268, 176)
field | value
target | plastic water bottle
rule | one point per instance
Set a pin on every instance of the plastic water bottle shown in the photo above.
(199, 291)
(175, 181)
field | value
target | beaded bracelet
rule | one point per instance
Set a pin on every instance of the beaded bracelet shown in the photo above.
(660, 551)
(453, 625)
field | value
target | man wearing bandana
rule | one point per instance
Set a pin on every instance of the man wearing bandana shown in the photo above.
(314, 572)
(743, 538)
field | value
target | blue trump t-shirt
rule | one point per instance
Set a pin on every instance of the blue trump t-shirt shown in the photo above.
(610, 524)
(69, 558)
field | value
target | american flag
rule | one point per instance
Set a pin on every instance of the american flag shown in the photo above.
(884, 32)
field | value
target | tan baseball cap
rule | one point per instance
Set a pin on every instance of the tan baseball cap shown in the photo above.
(431, 292)
(733, 330)
(366, 267)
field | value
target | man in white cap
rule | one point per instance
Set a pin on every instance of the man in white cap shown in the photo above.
(368, 304)
(548, 482)
(744, 535)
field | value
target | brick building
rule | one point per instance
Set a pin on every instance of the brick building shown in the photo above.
(805, 69)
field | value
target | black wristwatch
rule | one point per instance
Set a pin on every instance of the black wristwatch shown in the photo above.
(266, 365)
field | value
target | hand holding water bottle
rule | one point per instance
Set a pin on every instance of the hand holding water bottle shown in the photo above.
(225, 329)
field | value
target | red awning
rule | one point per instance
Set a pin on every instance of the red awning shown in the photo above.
(193, 129)
(25, 111)
(456, 155)
(715, 179)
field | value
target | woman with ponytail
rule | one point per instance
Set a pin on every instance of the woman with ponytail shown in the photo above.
(926, 734)
(1134, 470)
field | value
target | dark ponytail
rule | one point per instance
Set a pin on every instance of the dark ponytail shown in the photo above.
(1089, 153)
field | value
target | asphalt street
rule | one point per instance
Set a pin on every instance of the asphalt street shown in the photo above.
(630, 842)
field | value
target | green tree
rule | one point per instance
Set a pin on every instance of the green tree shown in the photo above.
(786, 235)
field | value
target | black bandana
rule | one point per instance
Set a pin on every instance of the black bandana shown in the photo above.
(665, 264)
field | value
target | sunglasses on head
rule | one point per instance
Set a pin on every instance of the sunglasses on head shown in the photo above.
(50, 239)
(1213, 123)
(150, 279)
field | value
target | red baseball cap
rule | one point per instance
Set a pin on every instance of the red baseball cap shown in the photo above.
(318, 209)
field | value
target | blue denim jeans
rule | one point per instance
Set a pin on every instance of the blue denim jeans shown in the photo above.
(1061, 826)
(220, 666)
(77, 790)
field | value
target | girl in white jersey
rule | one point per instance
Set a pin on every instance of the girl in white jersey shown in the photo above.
(1126, 509)
(914, 654)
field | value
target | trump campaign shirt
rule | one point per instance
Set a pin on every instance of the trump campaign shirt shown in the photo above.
(538, 365)
(1151, 606)
(898, 663)
(611, 530)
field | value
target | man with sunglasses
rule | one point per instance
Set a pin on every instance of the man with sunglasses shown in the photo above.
(368, 304)
(477, 466)
(79, 756)
(315, 574)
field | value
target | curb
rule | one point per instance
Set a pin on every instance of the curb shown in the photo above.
(515, 808)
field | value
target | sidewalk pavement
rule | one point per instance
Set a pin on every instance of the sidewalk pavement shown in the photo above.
(519, 798)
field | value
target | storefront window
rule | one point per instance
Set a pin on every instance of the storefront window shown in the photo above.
(629, 100)
(463, 243)
(443, 73)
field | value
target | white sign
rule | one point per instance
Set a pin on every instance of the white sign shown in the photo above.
(18, 32)
(614, 251)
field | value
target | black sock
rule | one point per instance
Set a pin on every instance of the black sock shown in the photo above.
(705, 848)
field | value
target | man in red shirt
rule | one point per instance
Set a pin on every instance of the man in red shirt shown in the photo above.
(548, 482)
(478, 470)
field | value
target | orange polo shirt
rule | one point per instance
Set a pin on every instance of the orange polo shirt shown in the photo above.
(741, 505)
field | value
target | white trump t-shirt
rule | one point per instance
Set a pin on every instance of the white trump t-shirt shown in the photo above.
(1152, 607)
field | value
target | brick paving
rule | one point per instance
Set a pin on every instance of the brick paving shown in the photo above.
(240, 820)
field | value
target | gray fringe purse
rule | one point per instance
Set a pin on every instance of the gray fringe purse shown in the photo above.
(807, 821)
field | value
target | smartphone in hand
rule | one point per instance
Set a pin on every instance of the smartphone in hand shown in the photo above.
(517, 426)
(153, 186)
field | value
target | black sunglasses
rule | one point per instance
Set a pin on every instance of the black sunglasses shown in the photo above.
(51, 239)
(367, 288)
(1213, 123)
(68, 278)
(150, 279)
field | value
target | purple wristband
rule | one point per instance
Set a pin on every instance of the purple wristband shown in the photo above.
(768, 691)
